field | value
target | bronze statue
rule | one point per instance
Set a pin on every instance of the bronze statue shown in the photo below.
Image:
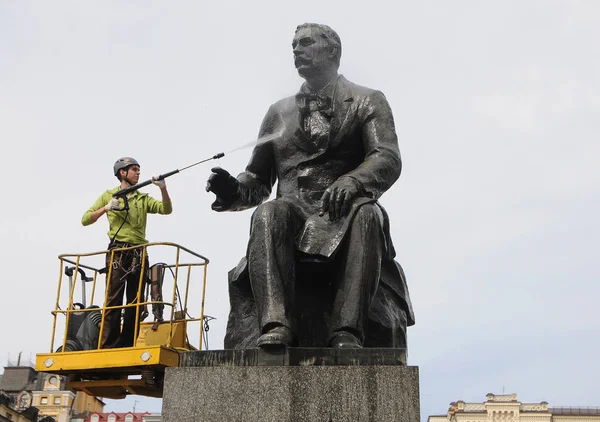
(319, 269)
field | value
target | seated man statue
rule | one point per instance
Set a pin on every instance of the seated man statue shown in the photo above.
(319, 269)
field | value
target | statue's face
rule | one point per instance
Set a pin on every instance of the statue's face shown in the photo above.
(312, 53)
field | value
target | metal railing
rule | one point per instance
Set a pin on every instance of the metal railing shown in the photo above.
(176, 268)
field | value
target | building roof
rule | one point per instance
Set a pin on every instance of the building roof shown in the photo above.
(120, 417)
(575, 411)
(510, 401)
(18, 378)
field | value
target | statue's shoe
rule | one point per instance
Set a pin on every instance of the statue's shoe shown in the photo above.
(279, 336)
(344, 340)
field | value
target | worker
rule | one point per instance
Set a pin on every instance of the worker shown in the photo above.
(127, 229)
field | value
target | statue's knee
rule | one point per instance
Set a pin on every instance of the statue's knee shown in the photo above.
(369, 214)
(270, 212)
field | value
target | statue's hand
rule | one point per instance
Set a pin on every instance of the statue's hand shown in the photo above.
(338, 197)
(225, 186)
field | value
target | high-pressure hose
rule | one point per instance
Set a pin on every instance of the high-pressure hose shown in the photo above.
(124, 192)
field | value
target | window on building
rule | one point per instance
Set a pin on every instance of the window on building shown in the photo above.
(112, 418)
(44, 400)
(56, 400)
(94, 418)
(129, 418)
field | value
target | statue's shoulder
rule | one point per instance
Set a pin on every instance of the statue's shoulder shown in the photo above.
(285, 105)
(282, 110)
(367, 99)
(348, 88)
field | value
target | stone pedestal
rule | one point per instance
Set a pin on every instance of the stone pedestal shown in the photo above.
(296, 385)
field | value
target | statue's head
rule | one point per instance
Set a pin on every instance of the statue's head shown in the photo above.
(317, 50)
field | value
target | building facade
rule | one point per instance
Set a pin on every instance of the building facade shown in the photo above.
(117, 417)
(10, 412)
(53, 399)
(506, 408)
(47, 393)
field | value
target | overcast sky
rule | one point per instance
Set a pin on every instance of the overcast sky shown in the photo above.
(495, 218)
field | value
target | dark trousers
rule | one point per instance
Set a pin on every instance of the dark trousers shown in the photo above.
(124, 280)
(272, 260)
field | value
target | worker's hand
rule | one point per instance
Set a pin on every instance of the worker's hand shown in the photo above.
(160, 183)
(225, 186)
(113, 205)
(338, 197)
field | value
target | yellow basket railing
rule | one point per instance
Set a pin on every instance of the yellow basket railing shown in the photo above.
(176, 268)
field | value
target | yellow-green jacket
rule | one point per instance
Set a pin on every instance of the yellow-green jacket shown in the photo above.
(134, 229)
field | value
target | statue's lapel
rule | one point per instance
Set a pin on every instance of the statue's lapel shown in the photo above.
(343, 111)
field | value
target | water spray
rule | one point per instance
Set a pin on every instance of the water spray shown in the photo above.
(126, 191)
(258, 141)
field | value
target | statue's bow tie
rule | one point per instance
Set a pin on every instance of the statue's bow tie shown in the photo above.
(309, 101)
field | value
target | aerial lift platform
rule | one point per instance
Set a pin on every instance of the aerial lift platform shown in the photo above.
(75, 349)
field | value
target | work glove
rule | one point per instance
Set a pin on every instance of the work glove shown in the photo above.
(160, 183)
(113, 205)
(225, 186)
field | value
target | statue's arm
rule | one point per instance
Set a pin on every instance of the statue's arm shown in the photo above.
(256, 182)
(382, 164)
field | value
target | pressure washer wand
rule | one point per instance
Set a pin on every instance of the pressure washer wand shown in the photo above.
(124, 192)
